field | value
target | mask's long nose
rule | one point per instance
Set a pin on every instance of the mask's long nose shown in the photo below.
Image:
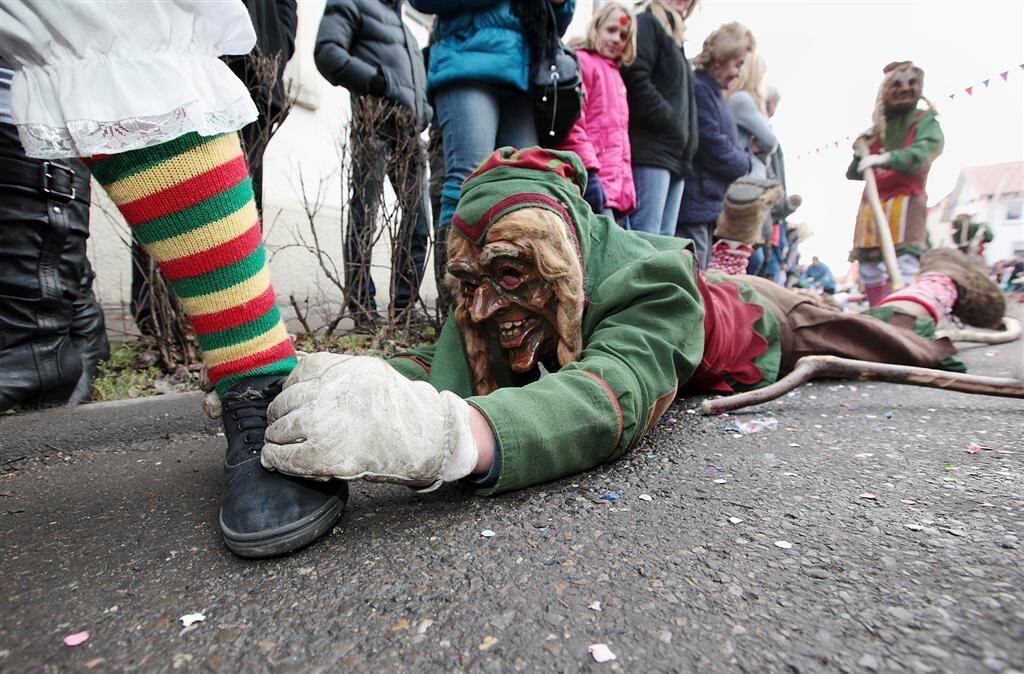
(486, 301)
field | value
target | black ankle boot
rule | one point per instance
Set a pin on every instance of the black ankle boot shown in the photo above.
(264, 514)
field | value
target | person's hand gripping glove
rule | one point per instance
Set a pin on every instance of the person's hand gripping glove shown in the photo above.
(872, 161)
(354, 417)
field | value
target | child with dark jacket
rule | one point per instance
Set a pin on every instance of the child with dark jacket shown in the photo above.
(662, 114)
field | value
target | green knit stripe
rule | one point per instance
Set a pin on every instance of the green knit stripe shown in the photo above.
(119, 166)
(240, 333)
(222, 277)
(190, 219)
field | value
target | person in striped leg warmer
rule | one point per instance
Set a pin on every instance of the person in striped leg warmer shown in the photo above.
(155, 118)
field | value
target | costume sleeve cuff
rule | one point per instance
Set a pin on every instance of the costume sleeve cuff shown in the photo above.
(488, 480)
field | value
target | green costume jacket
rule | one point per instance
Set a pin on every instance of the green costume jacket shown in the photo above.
(643, 332)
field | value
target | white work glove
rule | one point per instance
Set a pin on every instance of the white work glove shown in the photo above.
(356, 417)
(871, 161)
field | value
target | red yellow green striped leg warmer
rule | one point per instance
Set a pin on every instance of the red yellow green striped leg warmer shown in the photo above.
(190, 202)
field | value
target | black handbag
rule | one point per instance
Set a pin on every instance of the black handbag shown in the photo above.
(556, 87)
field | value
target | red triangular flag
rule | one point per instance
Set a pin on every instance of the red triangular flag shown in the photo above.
(985, 82)
(1004, 74)
(969, 90)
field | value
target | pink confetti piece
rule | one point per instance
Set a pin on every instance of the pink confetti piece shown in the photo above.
(76, 639)
(973, 448)
(600, 652)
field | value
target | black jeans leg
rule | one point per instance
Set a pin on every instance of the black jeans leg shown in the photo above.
(408, 171)
(366, 182)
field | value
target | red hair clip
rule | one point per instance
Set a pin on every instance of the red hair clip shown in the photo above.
(623, 20)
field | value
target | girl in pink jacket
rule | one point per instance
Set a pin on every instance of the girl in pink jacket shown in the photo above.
(601, 135)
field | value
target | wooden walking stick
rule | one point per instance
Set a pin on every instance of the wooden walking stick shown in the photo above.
(1010, 332)
(881, 222)
(820, 367)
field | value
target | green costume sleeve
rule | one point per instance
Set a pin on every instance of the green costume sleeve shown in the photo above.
(927, 145)
(414, 365)
(643, 332)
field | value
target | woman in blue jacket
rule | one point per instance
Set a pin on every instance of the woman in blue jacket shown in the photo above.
(478, 79)
(720, 158)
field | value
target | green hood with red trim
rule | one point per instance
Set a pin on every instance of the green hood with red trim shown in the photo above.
(535, 177)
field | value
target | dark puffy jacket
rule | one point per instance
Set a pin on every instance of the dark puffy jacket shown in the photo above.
(275, 23)
(662, 111)
(720, 157)
(359, 39)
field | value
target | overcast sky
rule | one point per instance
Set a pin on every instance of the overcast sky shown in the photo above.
(826, 57)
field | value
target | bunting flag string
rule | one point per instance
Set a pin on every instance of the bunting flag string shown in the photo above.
(969, 90)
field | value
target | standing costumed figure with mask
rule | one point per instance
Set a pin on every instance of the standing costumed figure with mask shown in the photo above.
(904, 141)
(569, 339)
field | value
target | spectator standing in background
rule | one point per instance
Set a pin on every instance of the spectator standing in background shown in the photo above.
(479, 79)
(366, 48)
(747, 96)
(662, 114)
(775, 264)
(275, 23)
(721, 158)
(601, 135)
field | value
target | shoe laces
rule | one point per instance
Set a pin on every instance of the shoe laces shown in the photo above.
(247, 408)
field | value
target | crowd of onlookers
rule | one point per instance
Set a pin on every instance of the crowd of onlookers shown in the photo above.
(662, 136)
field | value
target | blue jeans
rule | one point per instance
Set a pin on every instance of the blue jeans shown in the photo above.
(475, 120)
(657, 200)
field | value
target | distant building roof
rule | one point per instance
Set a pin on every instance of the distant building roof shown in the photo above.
(987, 183)
(996, 180)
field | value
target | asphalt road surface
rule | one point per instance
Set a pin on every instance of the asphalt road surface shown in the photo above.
(860, 535)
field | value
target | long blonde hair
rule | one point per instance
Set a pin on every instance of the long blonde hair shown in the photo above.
(672, 21)
(751, 80)
(600, 16)
(727, 42)
(557, 260)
